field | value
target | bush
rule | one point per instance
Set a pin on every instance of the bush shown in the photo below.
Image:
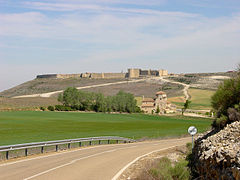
(165, 170)
(180, 171)
(225, 102)
(51, 108)
(42, 108)
(220, 123)
(60, 108)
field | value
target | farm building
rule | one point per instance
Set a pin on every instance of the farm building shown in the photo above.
(150, 105)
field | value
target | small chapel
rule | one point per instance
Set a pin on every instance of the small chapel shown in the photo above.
(151, 106)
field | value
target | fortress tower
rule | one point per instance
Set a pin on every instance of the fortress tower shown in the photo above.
(133, 73)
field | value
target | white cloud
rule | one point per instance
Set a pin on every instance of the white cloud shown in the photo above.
(121, 37)
(101, 8)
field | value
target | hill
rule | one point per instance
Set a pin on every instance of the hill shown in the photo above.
(146, 87)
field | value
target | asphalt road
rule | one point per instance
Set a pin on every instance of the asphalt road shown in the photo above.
(104, 162)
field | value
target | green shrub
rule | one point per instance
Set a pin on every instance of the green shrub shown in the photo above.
(42, 108)
(225, 102)
(60, 108)
(180, 171)
(51, 108)
(221, 122)
(165, 170)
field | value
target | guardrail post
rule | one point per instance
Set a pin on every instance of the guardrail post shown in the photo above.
(90, 143)
(117, 141)
(108, 141)
(56, 148)
(99, 142)
(7, 154)
(69, 145)
(80, 144)
(26, 152)
(42, 149)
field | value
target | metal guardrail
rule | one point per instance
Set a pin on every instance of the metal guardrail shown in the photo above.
(41, 145)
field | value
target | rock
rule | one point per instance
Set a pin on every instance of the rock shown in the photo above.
(217, 155)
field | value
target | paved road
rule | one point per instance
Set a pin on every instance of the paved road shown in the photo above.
(102, 162)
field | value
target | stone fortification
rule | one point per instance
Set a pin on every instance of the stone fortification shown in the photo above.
(218, 156)
(132, 73)
(47, 76)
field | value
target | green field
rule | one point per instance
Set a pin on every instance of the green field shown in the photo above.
(23, 127)
(200, 99)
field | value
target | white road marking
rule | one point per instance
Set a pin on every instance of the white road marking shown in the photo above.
(75, 160)
(129, 164)
(58, 153)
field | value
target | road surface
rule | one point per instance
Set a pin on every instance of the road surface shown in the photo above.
(104, 162)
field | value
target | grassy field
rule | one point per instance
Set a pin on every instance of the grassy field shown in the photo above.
(26, 103)
(23, 127)
(200, 99)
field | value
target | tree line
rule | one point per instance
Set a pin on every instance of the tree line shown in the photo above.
(75, 100)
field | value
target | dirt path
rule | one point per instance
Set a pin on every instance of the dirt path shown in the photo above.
(103, 162)
(185, 90)
(84, 87)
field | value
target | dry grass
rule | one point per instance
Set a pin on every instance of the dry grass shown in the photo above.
(48, 85)
(25, 103)
(140, 89)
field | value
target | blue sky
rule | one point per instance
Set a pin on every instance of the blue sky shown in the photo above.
(73, 36)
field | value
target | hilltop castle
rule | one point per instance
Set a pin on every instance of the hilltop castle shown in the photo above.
(132, 73)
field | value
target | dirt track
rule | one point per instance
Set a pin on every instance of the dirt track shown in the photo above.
(104, 162)
(85, 87)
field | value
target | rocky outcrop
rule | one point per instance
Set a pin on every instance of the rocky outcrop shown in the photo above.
(218, 156)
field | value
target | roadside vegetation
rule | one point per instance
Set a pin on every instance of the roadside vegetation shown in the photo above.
(34, 126)
(226, 102)
(169, 169)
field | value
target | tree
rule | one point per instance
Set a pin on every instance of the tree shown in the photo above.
(226, 101)
(70, 97)
(186, 106)
(51, 108)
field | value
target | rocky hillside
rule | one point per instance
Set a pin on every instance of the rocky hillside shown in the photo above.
(218, 156)
(203, 80)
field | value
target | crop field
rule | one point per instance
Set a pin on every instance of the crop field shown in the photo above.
(200, 99)
(30, 126)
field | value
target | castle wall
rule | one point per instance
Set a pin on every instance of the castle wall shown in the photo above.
(154, 73)
(47, 76)
(114, 75)
(85, 75)
(133, 73)
(145, 72)
(163, 72)
(97, 75)
(64, 76)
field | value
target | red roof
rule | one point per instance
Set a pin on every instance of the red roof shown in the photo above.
(148, 100)
(160, 93)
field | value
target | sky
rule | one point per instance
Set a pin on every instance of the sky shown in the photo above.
(74, 36)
